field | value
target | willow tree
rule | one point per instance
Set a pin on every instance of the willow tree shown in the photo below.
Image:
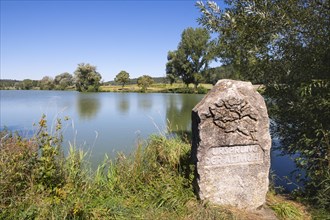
(191, 59)
(63, 80)
(46, 83)
(285, 45)
(87, 79)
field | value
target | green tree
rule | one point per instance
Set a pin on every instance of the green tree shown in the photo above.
(221, 72)
(46, 83)
(122, 77)
(7, 83)
(27, 84)
(144, 82)
(35, 83)
(171, 78)
(191, 59)
(63, 80)
(286, 46)
(87, 79)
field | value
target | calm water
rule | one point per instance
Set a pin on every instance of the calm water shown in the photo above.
(106, 123)
(102, 122)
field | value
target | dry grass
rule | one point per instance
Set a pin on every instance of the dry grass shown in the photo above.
(156, 87)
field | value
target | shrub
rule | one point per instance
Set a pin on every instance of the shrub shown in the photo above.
(18, 159)
(202, 90)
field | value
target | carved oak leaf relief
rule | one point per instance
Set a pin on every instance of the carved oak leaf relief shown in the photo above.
(235, 115)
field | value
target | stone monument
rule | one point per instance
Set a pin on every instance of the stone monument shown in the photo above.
(231, 145)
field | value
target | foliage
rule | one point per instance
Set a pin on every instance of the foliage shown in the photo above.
(192, 57)
(8, 83)
(87, 79)
(144, 82)
(159, 80)
(287, 211)
(63, 81)
(29, 165)
(122, 77)
(320, 213)
(152, 183)
(17, 160)
(172, 78)
(222, 72)
(46, 83)
(155, 182)
(48, 173)
(160, 88)
(285, 46)
(27, 84)
(286, 208)
(202, 90)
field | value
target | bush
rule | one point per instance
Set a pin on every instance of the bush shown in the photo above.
(92, 88)
(185, 89)
(18, 159)
(202, 90)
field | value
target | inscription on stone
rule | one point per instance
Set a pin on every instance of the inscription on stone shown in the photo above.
(234, 155)
(231, 145)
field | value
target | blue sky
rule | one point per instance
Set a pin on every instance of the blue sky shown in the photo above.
(46, 38)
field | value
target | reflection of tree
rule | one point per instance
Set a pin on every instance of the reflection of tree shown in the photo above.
(123, 103)
(145, 101)
(88, 105)
(178, 112)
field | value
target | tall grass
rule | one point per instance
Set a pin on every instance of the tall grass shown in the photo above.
(154, 182)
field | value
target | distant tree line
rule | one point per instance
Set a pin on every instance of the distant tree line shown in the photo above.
(8, 83)
(85, 78)
(61, 82)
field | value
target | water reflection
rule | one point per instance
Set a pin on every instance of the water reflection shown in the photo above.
(178, 112)
(113, 122)
(88, 105)
(123, 103)
(284, 167)
(145, 101)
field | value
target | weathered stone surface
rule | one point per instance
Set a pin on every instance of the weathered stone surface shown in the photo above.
(231, 145)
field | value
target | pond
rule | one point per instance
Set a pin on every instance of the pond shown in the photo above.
(107, 123)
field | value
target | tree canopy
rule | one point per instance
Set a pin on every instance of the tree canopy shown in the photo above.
(63, 80)
(192, 56)
(122, 78)
(144, 82)
(87, 79)
(212, 75)
(284, 45)
(46, 83)
(27, 84)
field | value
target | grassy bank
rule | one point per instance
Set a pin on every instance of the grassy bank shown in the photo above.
(155, 182)
(159, 88)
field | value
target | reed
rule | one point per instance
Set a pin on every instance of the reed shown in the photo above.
(154, 182)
